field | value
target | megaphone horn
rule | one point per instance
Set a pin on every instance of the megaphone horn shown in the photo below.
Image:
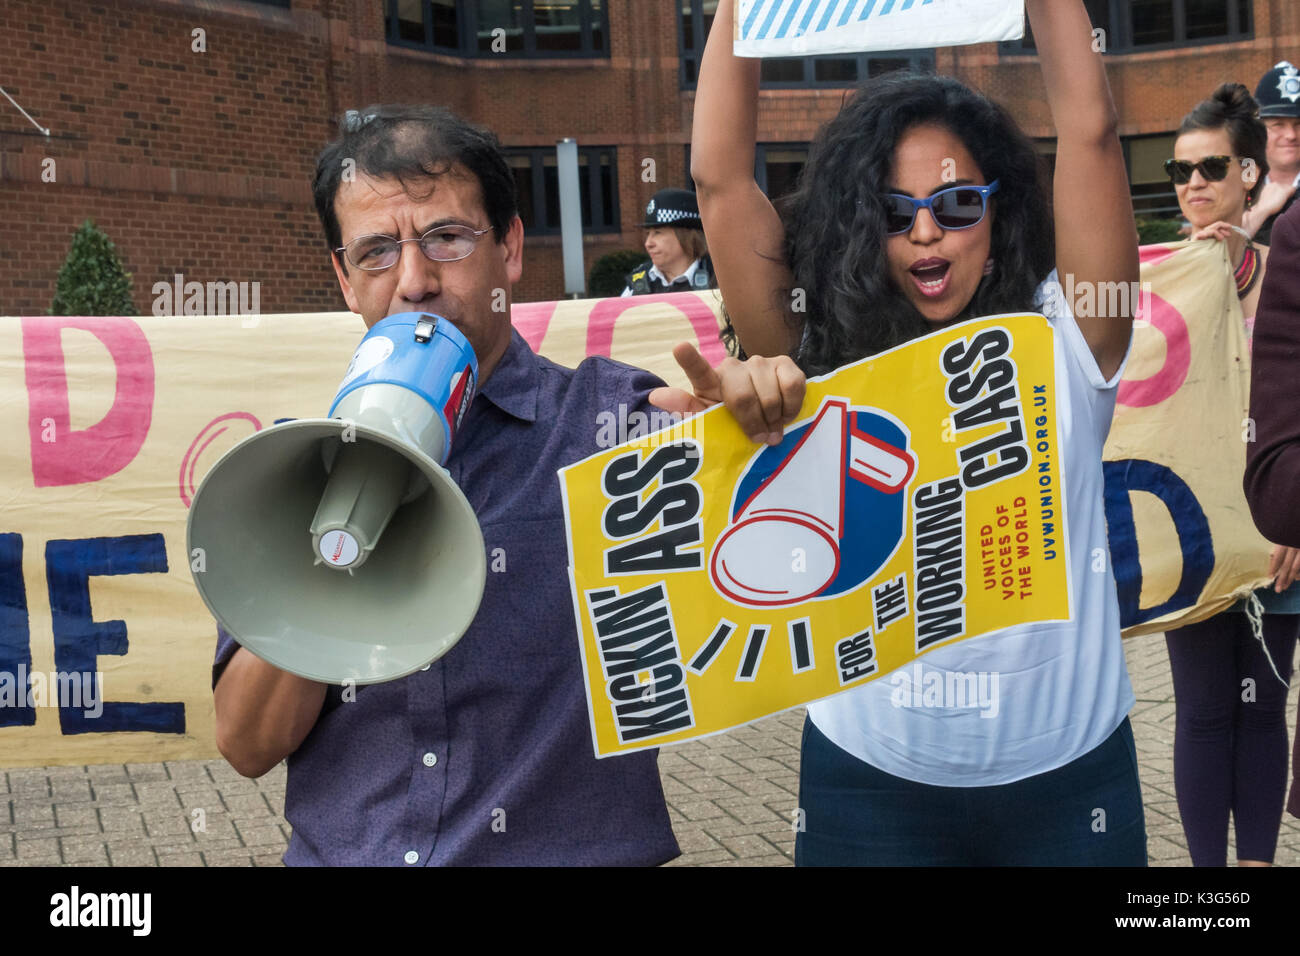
(362, 491)
(799, 509)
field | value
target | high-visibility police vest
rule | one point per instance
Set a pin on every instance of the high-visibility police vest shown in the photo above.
(641, 282)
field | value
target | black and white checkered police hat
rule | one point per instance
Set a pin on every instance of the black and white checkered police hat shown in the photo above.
(1278, 92)
(672, 207)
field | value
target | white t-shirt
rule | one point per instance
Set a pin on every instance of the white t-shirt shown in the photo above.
(1060, 688)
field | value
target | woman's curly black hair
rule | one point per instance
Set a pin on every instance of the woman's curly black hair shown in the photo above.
(835, 219)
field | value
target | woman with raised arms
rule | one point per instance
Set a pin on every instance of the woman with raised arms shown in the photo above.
(920, 207)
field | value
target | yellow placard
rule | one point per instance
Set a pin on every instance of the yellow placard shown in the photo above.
(916, 502)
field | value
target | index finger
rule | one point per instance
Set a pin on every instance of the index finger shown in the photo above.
(702, 376)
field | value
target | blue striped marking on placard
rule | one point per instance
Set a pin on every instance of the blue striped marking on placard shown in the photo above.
(781, 19)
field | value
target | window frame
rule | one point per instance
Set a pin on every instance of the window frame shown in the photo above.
(760, 161)
(761, 151)
(467, 33)
(1119, 39)
(921, 59)
(1171, 194)
(591, 190)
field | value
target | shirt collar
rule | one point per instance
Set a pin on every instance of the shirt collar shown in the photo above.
(1295, 182)
(514, 383)
(688, 276)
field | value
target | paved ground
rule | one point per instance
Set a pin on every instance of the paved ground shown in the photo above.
(731, 798)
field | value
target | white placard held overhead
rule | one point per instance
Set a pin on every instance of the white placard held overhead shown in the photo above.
(802, 27)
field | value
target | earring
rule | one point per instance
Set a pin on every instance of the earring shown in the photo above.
(988, 267)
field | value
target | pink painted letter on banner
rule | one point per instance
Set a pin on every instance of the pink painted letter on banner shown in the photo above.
(600, 325)
(1169, 322)
(108, 446)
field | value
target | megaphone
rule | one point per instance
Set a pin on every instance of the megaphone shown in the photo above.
(339, 549)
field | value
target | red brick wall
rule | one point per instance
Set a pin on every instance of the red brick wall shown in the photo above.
(1152, 91)
(191, 162)
(201, 162)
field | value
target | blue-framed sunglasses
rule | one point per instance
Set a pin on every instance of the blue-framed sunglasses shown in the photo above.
(957, 208)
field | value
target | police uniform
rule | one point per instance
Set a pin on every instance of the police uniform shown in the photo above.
(646, 279)
(1278, 95)
(670, 208)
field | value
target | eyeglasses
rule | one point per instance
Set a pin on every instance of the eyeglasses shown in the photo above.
(1213, 168)
(957, 208)
(441, 244)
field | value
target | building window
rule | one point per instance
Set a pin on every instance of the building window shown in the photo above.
(1132, 25)
(1144, 156)
(1153, 194)
(512, 28)
(785, 72)
(776, 167)
(1098, 13)
(695, 18)
(537, 178)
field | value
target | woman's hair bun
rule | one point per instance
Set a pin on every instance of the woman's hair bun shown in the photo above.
(1235, 100)
(1231, 108)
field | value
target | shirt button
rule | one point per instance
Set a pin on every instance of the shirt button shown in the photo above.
(411, 857)
(426, 667)
(430, 759)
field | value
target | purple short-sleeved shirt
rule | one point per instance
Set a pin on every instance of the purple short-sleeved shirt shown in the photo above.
(486, 757)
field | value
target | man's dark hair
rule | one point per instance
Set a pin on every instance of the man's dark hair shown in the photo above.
(413, 144)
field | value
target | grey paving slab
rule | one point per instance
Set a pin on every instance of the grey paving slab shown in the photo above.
(732, 798)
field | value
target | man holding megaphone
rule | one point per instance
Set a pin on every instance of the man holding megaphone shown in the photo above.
(483, 755)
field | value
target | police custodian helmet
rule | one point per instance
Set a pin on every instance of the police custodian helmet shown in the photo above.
(1278, 93)
(672, 207)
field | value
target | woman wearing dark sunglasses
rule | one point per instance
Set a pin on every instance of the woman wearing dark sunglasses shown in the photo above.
(1230, 746)
(1218, 170)
(921, 206)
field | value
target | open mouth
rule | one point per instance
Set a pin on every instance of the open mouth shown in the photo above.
(931, 276)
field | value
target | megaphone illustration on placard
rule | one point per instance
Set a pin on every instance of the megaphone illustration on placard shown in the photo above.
(339, 549)
(801, 509)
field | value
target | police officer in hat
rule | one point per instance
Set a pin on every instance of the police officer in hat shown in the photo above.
(1279, 107)
(679, 256)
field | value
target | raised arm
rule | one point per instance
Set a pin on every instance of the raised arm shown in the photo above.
(744, 232)
(1096, 237)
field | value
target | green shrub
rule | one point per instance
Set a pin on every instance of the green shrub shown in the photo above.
(609, 274)
(1151, 231)
(92, 280)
